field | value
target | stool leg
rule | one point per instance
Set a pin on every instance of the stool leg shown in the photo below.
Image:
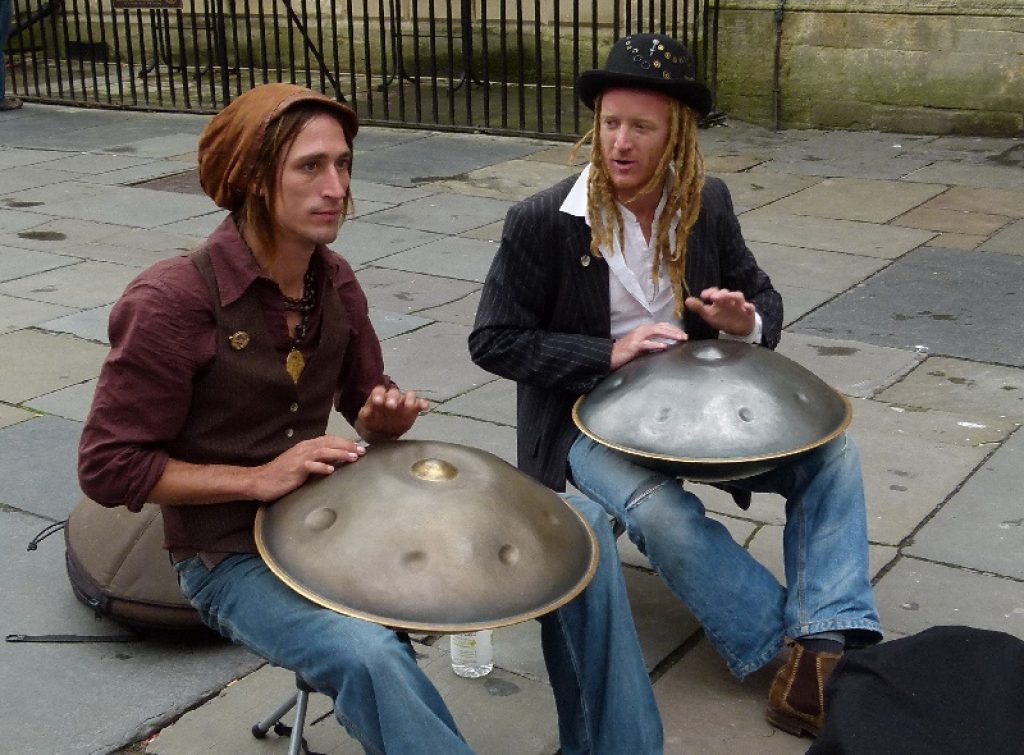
(259, 730)
(301, 700)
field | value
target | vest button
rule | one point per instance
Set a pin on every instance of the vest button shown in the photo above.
(289, 433)
(293, 408)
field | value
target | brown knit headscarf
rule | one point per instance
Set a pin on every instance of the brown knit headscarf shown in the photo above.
(231, 141)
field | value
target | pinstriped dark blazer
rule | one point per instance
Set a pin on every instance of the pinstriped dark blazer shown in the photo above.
(544, 314)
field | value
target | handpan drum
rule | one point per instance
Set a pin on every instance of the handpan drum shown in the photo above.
(712, 411)
(429, 536)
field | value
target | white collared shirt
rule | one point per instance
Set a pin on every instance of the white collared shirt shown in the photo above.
(635, 298)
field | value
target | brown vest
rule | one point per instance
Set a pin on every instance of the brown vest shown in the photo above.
(245, 410)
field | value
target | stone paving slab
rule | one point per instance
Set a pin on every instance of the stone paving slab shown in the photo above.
(852, 237)
(755, 189)
(71, 403)
(389, 324)
(435, 363)
(93, 164)
(17, 180)
(853, 368)
(12, 157)
(60, 235)
(439, 156)
(814, 268)
(459, 258)
(85, 285)
(956, 221)
(913, 303)
(11, 415)
(868, 200)
(154, 146)
(982, 526)
(956, 241)
(916, 595)
(514, 179)
(17, 263)
(196, 228)
(705, 710)
(139, 174)
(459, 312)
(93, 697)
(25, 374)
(149, 209)
(984, 200)
(90, 324)
(492, 402)
(912, 462)
(377, 192)
(799, 301)
(362, 241)
(33, 482)
(980, 393)
(981, 176)
(443, 213)
(405, 292)
(861, 154)
(13, 221)
(18, 313)
(38, 199)
(1008, 240)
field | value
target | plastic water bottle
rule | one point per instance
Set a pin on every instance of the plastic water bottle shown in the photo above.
(472, 654)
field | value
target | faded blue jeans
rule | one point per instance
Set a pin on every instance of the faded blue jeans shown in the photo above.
(602, 691)
(746, 614)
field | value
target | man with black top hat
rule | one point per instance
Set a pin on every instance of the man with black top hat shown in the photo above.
(638, 252)
(215, 396)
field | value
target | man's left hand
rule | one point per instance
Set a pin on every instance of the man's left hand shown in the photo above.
(724, 310)
(388, 414)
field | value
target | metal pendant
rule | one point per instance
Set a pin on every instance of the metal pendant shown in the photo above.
(294, 364)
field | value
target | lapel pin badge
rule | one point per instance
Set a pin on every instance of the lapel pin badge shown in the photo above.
(239, 340)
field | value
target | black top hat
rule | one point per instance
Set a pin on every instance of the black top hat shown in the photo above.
(647, 61)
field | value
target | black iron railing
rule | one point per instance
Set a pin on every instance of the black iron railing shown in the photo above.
(502, 66)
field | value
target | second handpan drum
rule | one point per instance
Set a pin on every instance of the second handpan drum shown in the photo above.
(712, 411)
(429, 536)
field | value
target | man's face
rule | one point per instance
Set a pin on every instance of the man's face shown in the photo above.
(634, 130)
(314, 180)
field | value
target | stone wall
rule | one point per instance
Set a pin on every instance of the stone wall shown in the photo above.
(933, 66)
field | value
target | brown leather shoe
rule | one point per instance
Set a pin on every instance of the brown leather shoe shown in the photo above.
(10, 103)
(796, 701)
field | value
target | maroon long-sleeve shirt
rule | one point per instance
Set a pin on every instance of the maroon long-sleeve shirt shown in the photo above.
(162, 335)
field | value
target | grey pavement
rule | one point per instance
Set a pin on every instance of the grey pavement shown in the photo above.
(901, 260)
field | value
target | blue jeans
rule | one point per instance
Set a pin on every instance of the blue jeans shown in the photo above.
(602, 691)
(745, 612)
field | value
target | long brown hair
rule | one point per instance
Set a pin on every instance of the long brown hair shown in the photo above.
(254, 217)
(681, 165)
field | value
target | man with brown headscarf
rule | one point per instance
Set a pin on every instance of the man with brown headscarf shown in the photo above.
(639, 252)
(223, 368)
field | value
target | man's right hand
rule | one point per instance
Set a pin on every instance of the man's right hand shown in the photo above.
(655, 337)
(316, 456)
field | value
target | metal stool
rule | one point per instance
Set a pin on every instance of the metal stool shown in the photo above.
(299, 701)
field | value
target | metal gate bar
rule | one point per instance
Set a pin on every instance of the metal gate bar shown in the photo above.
(499, 66)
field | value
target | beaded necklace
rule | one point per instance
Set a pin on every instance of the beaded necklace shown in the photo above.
(294, 363)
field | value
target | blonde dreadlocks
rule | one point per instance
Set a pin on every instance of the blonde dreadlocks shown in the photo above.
(685, 182)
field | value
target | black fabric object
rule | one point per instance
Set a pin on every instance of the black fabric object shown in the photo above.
(949, 690)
